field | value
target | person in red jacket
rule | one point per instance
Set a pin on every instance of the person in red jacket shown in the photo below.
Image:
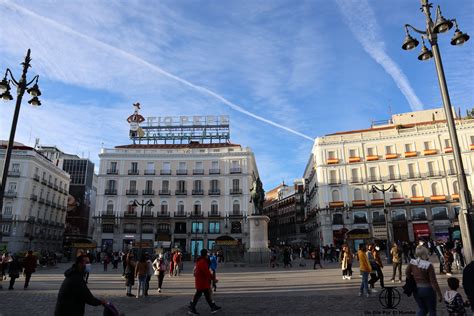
(202, 278)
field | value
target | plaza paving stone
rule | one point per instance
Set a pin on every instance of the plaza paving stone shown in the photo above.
(241, 291)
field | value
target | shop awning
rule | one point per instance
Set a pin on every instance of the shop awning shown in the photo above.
(358, 233)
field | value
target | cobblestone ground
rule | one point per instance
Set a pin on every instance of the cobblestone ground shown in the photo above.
(241, 291)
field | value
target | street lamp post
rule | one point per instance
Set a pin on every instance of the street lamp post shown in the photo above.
(22, 86)
(142, 204)
(431, 33)
(388, 224)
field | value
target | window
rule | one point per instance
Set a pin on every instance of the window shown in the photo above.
(472, 140)
(435, 189)
(456, 210)
(353, 153)
(392, 172)
(399, 215)
(166, 166)
(214, 185)
(409, 147)
(370, 151)
(378, 217)
(181, 184)
(182, 165)
(110, 207)
(164, 207)
(129, 228)
(198, 165)
(331, 154)
(447, 142)
(452, 167)
(355, 175)
(215, 165)
(180, 207)
(236, 207)
(133, 185)
(197, 208)
(111, 185)
(418, 214)
(16, 167)
(12, 187)
(149, 185)
(197, 227)
(197, 185)
(373, 173)
(214, 228)
(360, 217)
(357, 194)
(411, 170)
(337, 219)
(235, 164)
(389, 149)
(165, 185)
(335, 195)
(439, 213)
(236, 228)
(7, 210)
(150, 166)
(235, 184)
(431, 168)
(179, 227)
(414, 190)
(455, 187)
(135, 167)
(214, 207)
(333, 179)
(113, 166)
(131, 209)
(427, 145)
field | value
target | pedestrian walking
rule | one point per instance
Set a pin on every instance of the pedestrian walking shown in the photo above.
(425, 278)
(124, 263)
(365, 269)
(468, 283)
(453, 300)
(346, 263)
(213, 266)
(317, 258)
(106, 262)
(171, 261)
(29, 266)
(115, 260)
(6, 259)
(140, 274)
(130, 273)
(202, 278)
(374, 277)
(177, 263)
(286, 258)
(149, 273)
(74, 294)
(448, 260)
(396, 254)
(159, 267)
(14, 270)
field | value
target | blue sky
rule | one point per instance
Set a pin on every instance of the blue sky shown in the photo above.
(285, 71)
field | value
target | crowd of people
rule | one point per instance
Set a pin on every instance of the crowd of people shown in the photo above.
(12, 267)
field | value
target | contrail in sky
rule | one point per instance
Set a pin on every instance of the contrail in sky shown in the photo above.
(140, 61)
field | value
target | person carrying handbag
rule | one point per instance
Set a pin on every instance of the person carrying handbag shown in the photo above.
(427, 287)
(159, 266)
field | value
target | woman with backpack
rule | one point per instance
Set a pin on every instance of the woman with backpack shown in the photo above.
(159, 266)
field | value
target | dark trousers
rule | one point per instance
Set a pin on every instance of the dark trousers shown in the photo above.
(27, 279)
(147, 284)
(397, 266)
(161, 276)
(348, 270)
(12, 283)
(207, 295)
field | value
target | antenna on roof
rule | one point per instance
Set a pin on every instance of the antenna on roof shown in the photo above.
(37, 140)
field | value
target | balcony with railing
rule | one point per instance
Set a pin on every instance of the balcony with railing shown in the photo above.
(235, 170)
(133, 172)
(214, 192)
(412, 175)
(148, 192)
(110, 192)
(33, 197)
(147, 214)
(235, 214)
(10, 194)
(129, 230)
(374, 179)
(112, 171)
(356, 180)
(50, 184)
(164, 192)
(334, 181)
(163, 214)
(47, 202)
(214, 214)
(451, 172)
(181, 172)
(44, 181)
(132, 192)
(433, 174)
(150, 172)
(196, 214)
(41, 200)
(198, 192)
(214, 171)
(181, 192)
(198, 171)
(108, 214)
(130, 214)
(235, 191)
(179, 214)
(36, 177)
(14, 173)
(165, 172)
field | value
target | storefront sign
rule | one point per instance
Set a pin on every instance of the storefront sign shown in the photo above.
(379, 232)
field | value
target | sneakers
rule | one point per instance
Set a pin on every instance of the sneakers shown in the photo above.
(349, 277)
(448, 274)
(360, 294)
(159, 290)
(192, 311)
(343, 277)
(367, 295)
(215, 309)
(399, 281)
(393, 281)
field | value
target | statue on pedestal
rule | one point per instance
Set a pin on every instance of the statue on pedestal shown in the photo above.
(257, 195)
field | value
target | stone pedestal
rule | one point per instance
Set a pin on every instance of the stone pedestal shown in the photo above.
(258, 252)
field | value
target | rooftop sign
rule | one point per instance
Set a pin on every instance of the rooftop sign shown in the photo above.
(178, 129)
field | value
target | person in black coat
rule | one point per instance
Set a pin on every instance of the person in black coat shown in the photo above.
(14, 271)
(468, 283)
(74, 293)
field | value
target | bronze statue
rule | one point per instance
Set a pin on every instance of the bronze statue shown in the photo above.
(257, 195)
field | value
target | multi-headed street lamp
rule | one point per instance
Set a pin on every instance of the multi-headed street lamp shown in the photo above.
(391, 189)
(150, 204)
(22, 86)
(431, 34)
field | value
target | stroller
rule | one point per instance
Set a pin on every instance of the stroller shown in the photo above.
(111, 310)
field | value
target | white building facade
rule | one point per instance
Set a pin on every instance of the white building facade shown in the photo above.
(200, 193)
(34, 208)
(412, 152)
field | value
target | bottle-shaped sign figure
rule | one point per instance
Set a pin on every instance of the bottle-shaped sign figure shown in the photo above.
(134, 120)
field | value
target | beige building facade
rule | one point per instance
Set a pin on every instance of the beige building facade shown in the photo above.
(411, 153)
(34, 208)
(200, 193)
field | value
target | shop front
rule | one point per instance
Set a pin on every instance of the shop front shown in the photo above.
(441, 230)
(357, 236)
(421, 231)
(339, 236)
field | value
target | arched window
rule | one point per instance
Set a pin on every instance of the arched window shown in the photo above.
(180, 208)
(335, 195)
(455, 187)
(164, 207)
(357, 194)
(414, 190)
(214, 208)
(435, 189)
(131, 208)
(110, 207)
(197, 208)
(236, 207)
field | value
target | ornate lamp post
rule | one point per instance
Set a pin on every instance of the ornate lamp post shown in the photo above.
(388, 224)
(142, 204)
(22, 86)
(430, 33)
